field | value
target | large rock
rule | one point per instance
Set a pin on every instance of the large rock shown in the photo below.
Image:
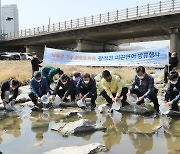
(68, 104)
(67, 112)
(173, 114)
(85, 149)
(23, 97)
(137, 109)
(80, 126)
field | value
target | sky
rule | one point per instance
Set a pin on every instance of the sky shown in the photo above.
(34, 13)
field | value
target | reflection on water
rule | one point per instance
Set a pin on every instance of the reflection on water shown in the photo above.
(173, 137)
(10, 125)
(126, 133)
(39, 124)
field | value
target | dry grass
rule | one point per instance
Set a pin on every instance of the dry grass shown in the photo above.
(21, 70)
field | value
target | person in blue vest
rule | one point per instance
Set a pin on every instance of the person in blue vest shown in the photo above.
(39, 87)
(87, 89)
(172, 95)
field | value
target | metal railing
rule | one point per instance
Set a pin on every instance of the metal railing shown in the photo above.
(149, 10)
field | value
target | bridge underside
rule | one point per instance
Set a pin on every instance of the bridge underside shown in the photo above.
(104, 37)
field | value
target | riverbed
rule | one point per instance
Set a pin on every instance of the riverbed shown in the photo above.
(27, 131)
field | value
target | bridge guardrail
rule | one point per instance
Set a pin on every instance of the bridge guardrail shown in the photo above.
(156, 9)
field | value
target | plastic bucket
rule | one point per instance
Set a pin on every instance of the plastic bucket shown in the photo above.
(81, 103)
(164, 109)
(132, 99)
(45, 99)
(116, 106)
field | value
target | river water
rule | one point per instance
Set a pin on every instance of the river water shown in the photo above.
(29, 132)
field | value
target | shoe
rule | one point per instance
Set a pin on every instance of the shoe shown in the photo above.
(65, 100)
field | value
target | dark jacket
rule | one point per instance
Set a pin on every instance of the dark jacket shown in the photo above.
(68, 87)
(170, 91)
(39, 88)
(90, 88)
(145, 85)
(35, 64)
(6, 87)
(174, 62)
(48, 72)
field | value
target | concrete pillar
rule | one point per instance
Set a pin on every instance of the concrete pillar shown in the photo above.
(175, 42)
(38, 49)
(84, 45)
(93, 46)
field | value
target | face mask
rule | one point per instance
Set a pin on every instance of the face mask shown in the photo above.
(86, 82)
(38, 80)
(140, 77)
(13, 88)
(76, 78)
(173, 82)
(64, 83)
(35, 56)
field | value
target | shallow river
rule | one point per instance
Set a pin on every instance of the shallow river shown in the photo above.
(29, 132)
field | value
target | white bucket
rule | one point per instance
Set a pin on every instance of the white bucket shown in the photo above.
(81, 103)
(116, 106)
(45, 99)
(132, 99)
(164, 109)
(57, 101)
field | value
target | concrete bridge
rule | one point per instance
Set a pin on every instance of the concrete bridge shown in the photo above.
(103, 32)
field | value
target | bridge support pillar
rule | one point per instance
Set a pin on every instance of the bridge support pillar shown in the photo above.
(87, 45)
(83, 45)
(38, 49)
(175, 42)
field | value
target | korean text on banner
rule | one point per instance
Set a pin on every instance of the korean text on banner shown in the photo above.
(147, 57)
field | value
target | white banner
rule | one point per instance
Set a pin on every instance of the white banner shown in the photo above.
(147, 57)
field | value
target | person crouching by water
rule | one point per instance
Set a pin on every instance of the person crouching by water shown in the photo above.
(112, 90)
(64, 88)
(35, 62)
(172, 95)
(145, 87)
(39, 87)
(9, 87)
(49, 72)
(87, 89)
